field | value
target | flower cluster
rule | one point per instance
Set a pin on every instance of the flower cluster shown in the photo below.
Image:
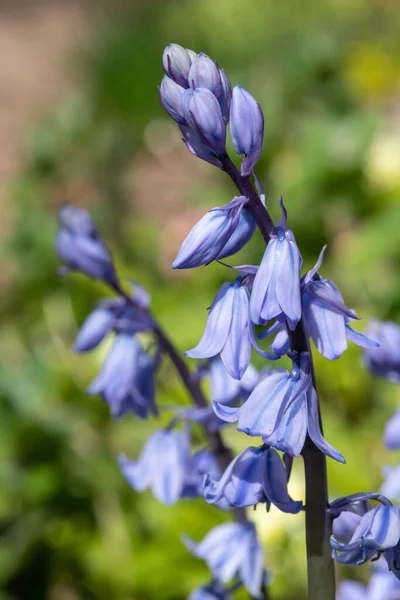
(279, 406)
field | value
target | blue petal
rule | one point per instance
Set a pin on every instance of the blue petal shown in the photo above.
(314, 429)
(326, 327)
(360, 339)
(263, 301)
(288, 282)
(118, 372)
(229, 414)
(172, 464)
(236, 351)
(94, 330)
(259, 413)
(275, 483)
(217, 326)
(290, 431)
(206, 240)
(239, 238)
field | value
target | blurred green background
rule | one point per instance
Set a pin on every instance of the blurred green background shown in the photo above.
(328, 79)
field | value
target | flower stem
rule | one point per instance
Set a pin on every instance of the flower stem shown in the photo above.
(320, 566)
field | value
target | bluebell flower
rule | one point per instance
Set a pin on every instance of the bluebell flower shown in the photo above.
(256, 475)
(204, 73)
(281, 343)
(177, 62)
(391, 434)
(203, 114)
(383, 585)
(162, 466)
(228, 332)
(282, 409)
(79, 245)
(126, 379)
(171, 99)
(221, 232)
(326, 316)
(391, 486)
(385, 360)
(247, 128)
(276, 287)
(230, 550)
(202, 463)
(376, 530)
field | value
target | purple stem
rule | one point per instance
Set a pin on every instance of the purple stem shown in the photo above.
(320, 566)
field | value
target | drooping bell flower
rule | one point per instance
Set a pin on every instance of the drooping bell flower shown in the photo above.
(232, 550)
(376, 530)
(382, 585)
(79, 245)
(202, 463)
(281, 344)
(256, 475)
(113, 314)
(222, 231)
(162, 466)
(283, 409)
(276, 288)
(126, 379)
(326, 316)
(177, 62)
(385, 360)
(247, 128)
(228, 332)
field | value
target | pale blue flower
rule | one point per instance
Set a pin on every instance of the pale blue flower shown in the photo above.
(79, 245)
(221, 232)
(256, 475)
(376, 530)
(247, 128)
(126, 379)
(276, 287)
(391, 486)
(230, 550)
(385, 360)
(163, 466)
(326, 316)
(283, 409)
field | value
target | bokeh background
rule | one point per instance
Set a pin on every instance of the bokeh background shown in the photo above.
(80, 121)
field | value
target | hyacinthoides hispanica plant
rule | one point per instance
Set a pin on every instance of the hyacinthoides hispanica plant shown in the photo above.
(281, 407)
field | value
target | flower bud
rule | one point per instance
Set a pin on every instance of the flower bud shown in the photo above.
(177, 62)
(204, 73)
(223, 231)
(247, 128)
(203, 113)
(226, 95)
(196, 147)
(171, 99)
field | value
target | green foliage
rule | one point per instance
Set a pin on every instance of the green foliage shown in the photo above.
(71, 526)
